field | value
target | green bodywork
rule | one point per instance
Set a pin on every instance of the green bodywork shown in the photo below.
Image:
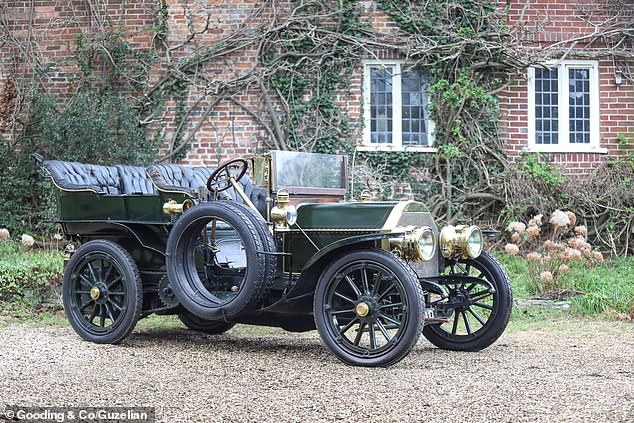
(89, 206)
(344, 215)
(320, 225)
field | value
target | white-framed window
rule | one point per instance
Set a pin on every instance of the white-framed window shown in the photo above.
(563, 107)
(395, 107)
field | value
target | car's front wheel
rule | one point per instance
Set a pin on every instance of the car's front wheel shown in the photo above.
(369, 308)
(478, 307)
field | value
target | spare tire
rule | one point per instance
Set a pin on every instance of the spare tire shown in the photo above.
(211, 283)
(265, 233)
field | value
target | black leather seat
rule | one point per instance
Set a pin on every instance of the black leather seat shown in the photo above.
(74, 176)
(256, 194)
(120, 179)
(134, 180)
(175, 178)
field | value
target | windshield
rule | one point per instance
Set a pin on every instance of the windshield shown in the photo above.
(309, 170)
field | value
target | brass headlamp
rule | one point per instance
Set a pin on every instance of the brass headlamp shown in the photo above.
(461, 241)
(419, 243)
(283, 214)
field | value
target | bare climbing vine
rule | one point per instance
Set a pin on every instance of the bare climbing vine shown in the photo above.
(302, 55)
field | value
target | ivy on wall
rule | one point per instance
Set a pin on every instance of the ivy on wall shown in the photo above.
(456, 40)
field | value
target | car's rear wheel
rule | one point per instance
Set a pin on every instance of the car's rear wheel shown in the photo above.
(369, 308)
(102, 292)
(212, 327)
(478, 307)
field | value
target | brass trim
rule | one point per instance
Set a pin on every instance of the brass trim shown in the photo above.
(454, 241)
(279, 213)
(242, 194)
(408, 246)
(172, 208)
(95, 293)
(395, 215)
(362, 309)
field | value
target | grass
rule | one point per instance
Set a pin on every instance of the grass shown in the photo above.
(22, 270)
(606, 289)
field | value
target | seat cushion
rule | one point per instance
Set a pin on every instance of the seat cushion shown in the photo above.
(134, 180)
(107, 178)
(172, 177)
(256, 194)
(74, 176)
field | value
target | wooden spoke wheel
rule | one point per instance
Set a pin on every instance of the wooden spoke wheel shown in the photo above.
(102, 292)
(478, 307)
(369, 308)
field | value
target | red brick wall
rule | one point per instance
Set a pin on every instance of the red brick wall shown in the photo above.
(230, 131)
(56, 24)
(49, 29)
(558, 21)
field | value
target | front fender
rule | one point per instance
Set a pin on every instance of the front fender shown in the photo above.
(347, 242)
(312, 270)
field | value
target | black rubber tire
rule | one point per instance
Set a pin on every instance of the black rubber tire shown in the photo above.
(269, 243)
(212, 327)
(415, 300)
(495, 326)
(259, 275)
(132, 282)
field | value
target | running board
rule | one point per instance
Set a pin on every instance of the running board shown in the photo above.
(435, 320)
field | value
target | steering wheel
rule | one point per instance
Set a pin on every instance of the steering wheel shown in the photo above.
(219, 180)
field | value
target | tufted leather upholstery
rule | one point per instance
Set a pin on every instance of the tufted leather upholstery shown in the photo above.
(202, 174)
(78, 176)
(171, 177)
(134, 180)
(256, 194)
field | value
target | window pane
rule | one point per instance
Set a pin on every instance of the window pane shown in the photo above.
(579, 105)
(546, 113)
(414, 105)
(380, 105)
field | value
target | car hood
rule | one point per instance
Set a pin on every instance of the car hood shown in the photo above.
(383, 216)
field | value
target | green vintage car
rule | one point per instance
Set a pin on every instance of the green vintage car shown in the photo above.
(271, 240)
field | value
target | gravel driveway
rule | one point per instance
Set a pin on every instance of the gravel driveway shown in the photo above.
(254, 374)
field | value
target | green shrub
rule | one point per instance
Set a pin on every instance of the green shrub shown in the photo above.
(92, 127)
(20, 270)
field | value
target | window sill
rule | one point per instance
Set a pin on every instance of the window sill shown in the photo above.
(567, 149)
(389, 148)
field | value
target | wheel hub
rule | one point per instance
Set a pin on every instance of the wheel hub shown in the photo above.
(459, 299)
(362, 309)
(95, 293)
(367, 308)
(99, 293)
